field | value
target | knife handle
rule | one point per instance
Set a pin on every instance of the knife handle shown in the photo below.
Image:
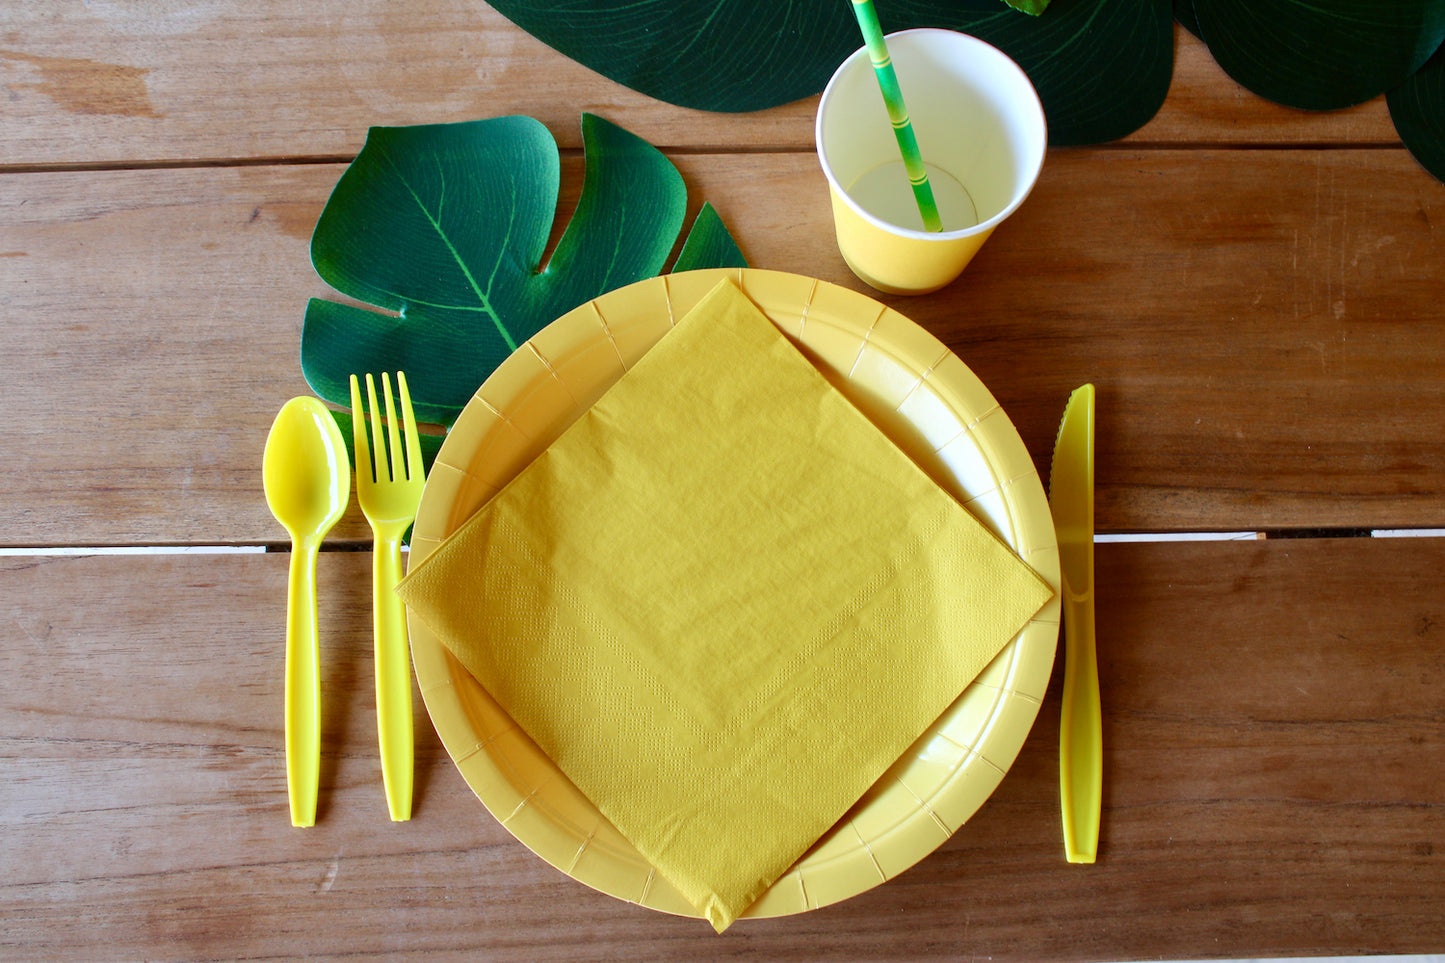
(1081, 749)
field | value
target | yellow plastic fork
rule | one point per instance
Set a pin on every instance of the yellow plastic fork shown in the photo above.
(388, 495)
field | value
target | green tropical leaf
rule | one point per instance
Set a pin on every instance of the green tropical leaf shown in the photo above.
(1102, 67)
(708, 244)
(444, 228)
(1321, 54)
(1031, 7)
(1418, 109)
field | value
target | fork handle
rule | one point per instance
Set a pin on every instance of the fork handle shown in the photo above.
(303, 686)
(1081, 762)
(393, 678)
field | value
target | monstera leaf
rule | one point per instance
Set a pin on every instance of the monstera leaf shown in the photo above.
(1321, 54)
(444, 227)
(1418, 109)
(1328, 54)
(1102, 67)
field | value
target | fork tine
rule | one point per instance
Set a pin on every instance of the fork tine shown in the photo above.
(393, 435)
(378, 445)
(358, 429)
(413, 442)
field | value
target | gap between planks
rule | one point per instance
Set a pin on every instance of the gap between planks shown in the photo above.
(347, 546)
(681, 150)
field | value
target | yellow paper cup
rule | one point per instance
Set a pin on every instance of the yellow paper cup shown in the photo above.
(981, 132)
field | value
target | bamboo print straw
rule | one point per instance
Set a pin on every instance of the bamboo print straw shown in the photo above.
(897, 113)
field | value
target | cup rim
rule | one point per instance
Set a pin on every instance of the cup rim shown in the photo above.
(982, 226)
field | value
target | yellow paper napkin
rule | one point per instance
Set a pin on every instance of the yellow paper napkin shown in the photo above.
(723, 603)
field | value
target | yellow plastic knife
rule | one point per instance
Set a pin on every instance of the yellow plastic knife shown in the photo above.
(1071, 500)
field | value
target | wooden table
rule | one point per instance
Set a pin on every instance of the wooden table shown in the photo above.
(1256, 292)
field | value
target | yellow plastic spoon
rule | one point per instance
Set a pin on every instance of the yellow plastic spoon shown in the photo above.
(307, 476)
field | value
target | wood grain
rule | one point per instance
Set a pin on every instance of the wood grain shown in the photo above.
(1254, 290)
(122, 84)
(1256, 804)
(1264, 328)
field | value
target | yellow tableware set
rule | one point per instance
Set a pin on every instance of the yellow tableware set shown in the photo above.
(729, 528)
(308, 483)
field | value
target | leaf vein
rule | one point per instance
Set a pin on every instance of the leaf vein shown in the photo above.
(486, 304)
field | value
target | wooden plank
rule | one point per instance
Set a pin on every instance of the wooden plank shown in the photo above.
(1273, 744)
(1264, 328)
(152, 332)
(121, 84)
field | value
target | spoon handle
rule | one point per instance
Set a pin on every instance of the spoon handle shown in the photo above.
(303, 686)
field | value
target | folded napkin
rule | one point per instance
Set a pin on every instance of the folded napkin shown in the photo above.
(723, 603)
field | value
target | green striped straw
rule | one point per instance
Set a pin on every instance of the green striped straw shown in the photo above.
(897, 113)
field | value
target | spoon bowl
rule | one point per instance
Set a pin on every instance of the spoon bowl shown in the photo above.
(307, 478)
(305, 469)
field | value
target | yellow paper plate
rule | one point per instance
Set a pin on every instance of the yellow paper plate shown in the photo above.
(917, 392)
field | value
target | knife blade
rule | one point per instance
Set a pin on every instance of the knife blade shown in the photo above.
(1071, 501)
